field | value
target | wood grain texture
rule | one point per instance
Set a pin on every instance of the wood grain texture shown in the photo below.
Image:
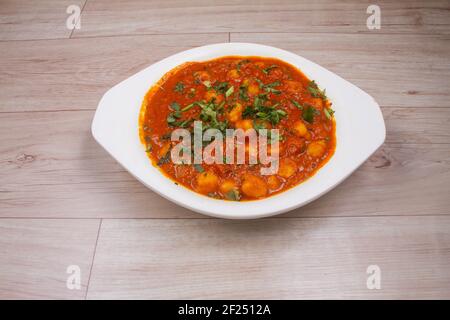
(397, 70)
(75, 73)
(272, 258)
(52, 167)
(43, 19)
(35, 254)
(105, 17)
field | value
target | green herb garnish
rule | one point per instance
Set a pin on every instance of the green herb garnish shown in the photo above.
(179, 87)
(207, 84)
(240, 63)
(315, 91)
(175, 106)
(191, 93)
(243, 94)
(298, 105)
(221, 87)
(308, 114)
(262, 112)
(270, 86)
(229, 91)
(233, 195)
(328, 113)
(199, 168)
(267, 70)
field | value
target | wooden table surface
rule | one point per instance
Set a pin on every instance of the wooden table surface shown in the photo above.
(64, 201)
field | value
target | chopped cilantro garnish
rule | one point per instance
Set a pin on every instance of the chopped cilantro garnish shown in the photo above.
(243, 94)
(221, 87)
(179, 87)
(308, 113)
(229, 91)
(328, 113)
(175, 106)
(233, 195)
(315, 91)
(267, 70)
(298, 105)
(199, 168)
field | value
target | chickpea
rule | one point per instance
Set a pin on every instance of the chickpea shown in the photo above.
(300, 129)
(317, 103)
(233, 74)
(316, 148)
(235, 114)
(244, 124)
(273, 182)
(227, 186)
(207, 182)
(287, 168)
(293, 86)
(253, 89)
(211, 94)
(202, 76)
(254, 186)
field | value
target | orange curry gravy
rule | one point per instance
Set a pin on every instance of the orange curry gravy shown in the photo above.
(243, 92)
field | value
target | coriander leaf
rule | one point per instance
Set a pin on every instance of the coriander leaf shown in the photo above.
(298, 105)
(171, 119)
(273, 84)
(207, 84)
(315, 91)
(175, 106)
(248, 112)
(240, 63)
(308, 114)
(233, 195)
(229, 91)
(267, 70)
(274, 91)
(189, 106)
(328, 113)
(243, 94)
(199, 168)
(179, 87)
(221, 87)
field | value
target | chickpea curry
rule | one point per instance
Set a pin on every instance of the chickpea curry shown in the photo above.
(237, 92)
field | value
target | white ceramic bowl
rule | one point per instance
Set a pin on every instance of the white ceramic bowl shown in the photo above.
(360, 131)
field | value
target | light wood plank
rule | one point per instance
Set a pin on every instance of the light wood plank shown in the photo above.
(35, 254)
(51, 167)
(43, 19)
(105, 17)
(272, 258)
(397, 70)
(75, 73)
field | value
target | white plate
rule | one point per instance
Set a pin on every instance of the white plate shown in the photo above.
(360, 131)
